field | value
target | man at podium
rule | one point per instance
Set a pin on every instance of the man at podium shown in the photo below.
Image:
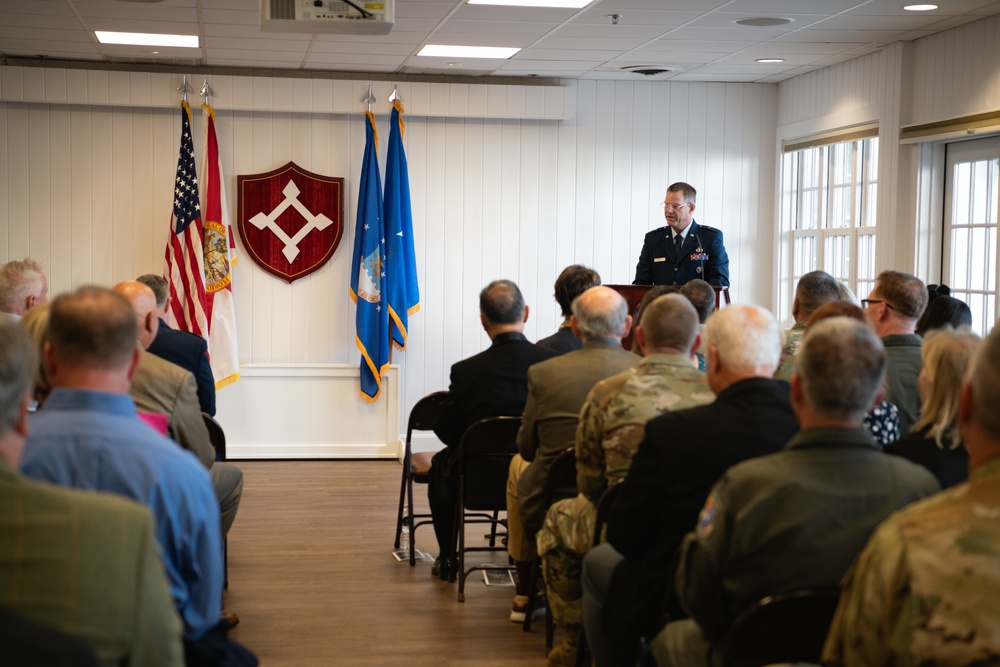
(683, 250)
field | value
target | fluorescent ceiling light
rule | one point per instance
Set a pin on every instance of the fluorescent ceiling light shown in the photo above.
(557, 4)
(770, 60)
(146, 39)
(920, 8)
(447, 51)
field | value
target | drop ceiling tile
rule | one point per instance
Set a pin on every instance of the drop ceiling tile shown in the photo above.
(517, 14)
(818, 48)
(639, 17)
(497, 28)
(687, 58)
(33, 47)
(137, 11)
(39, 7)
(230, 17)
(61, 22)
(758, 69)
(385, 60)
(589, 30)
(842, 36)
(158, 27)
(911, 21)
(290, 45)
(547, 66)
(948, 23)
(53, 37)
(605, 44)
(672, 44)
(257, 58)
(734, 33)
(428, 10)
(693, 5)
(242, 64)
(363, 48)
(469, 39)
(783, 7)
(230, 4)
(728, 20)
(571, 54)
(946, 8)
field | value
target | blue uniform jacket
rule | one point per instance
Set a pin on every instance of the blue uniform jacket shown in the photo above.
(702, 256)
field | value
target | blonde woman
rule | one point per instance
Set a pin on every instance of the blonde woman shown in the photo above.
(935, 441)
(36, 322)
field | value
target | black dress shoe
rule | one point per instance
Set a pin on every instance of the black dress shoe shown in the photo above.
(441, 568)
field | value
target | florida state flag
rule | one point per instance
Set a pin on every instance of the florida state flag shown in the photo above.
(290, 219)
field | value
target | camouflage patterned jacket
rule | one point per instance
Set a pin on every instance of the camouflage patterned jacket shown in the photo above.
(614, 416)
(793, 338)
(926, 589)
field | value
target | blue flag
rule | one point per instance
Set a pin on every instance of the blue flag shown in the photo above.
(402, 292)
(368, 272)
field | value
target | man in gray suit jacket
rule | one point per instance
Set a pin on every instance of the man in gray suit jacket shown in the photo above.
(162, 387)
(557, 389)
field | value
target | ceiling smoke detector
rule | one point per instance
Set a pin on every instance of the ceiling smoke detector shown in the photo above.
(763, 21)
(646, 70)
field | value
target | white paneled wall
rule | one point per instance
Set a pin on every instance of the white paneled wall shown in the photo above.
(956, 73)
(85, 189)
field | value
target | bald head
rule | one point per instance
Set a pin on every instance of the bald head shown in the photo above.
(91, 341)
(143, 302)
(601, 312)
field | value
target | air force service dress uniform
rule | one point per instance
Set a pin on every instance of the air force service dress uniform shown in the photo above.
(702, 256)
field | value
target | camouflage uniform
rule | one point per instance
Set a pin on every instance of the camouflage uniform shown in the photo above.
(926, 589)
(612, 424)
(793, 338)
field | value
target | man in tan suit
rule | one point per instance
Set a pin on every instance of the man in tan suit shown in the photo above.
(162, 387)
(557, 389)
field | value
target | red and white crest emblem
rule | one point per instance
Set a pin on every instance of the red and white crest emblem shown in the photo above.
(290, 219)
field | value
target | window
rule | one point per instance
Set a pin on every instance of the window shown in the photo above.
(972, 202)
(828, 199)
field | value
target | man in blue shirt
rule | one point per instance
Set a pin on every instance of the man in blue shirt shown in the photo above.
(88, 436)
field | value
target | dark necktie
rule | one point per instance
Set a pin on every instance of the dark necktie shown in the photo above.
(678, 244)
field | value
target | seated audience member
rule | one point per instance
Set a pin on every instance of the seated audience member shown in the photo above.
(36, 323)
(846, 293)
(895, 304)
(611, 426)
(815, 289)
(571, 283)
(22, 287)
(882, 421)
(925, 589)
(489, 384)
(654, 292)
(82, 563)
(557, 389)
(702, 297)
(188, 351)
(944, 311)
(159, 386)
(936, 440)
(798, 518)
(682, 454)
(88, 436)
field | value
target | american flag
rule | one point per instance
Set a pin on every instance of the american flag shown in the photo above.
(185, 262)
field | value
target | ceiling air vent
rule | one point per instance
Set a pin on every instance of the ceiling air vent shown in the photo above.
(646, 70)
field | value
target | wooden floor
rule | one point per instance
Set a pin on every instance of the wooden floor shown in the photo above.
(313, 579)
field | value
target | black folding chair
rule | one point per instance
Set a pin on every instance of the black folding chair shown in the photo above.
(560, 484)
(218, 439)
(485, 452)
(784, 628)
(415, 469)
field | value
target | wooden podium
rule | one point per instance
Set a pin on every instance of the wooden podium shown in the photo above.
(633, 295)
